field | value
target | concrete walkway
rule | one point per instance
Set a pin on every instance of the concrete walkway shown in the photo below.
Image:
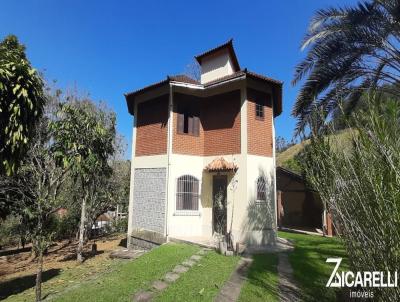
(231, 290)
(287, 288)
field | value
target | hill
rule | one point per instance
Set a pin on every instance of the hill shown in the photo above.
(340, 140)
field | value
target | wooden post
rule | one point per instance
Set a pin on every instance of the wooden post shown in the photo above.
(329, 226)
(279, 208)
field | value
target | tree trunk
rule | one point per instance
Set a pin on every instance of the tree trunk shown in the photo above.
(79, 255)
(39, 277)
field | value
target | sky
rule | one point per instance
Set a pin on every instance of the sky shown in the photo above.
(108, 48)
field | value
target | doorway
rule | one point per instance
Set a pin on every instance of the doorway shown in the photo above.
(219, 192)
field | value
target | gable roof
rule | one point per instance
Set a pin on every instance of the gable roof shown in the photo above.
(228, 46)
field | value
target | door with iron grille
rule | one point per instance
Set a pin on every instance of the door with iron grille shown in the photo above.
(220, 204)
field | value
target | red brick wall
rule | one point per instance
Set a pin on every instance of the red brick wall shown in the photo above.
(259, 132)
(151, 127)
(221, 122)
(186, 143)
(219, 126)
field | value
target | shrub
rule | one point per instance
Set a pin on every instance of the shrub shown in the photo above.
(65, 227)
(121, 225)
(361, 187)
(12, 232)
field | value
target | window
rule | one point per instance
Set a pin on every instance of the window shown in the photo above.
(260, 108)
(187, 193)
(261, 189)
(188, 120)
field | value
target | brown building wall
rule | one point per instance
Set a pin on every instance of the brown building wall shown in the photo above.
(259, 131)
(219, 126)
(221, 122)
(151, 127)
(186, 143)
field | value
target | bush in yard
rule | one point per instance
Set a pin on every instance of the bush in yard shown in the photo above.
(121, 225)
(65, 227)
(361, 187)
(8, 231)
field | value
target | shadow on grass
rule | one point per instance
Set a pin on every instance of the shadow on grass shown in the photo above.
(18, 285)
(309, 264)
(15, 251)
(86, 256)
(262, 279)
(123, 242)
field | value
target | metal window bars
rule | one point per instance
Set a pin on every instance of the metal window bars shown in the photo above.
(261, 186)
(187, 193)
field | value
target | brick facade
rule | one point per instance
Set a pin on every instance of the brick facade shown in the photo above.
(219, 126)
(219, 132)
(151, 127)
(186, 143)
(259, 131)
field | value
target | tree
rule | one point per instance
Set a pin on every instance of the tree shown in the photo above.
(282, 144)
(35, 188)
(85, 139)
(351, 50)
(21, 103)
(193, 70)
(360, 187)
(45, 177)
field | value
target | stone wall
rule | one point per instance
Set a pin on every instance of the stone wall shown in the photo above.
(149, 199)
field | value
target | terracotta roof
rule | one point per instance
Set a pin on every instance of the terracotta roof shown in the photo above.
(220, 164)
(104, 217)
(229, 46)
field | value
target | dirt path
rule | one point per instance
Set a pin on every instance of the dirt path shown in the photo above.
(287, 288)
(231, 290)
(18, 263)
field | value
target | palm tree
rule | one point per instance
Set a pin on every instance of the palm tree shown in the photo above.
(350, 51)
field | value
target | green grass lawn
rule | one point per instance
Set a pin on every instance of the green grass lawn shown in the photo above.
(118, 280)
(203, 281)
(262, 280)
(308, 261)
(128, 278)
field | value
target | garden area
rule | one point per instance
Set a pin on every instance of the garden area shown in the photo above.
(101, 278)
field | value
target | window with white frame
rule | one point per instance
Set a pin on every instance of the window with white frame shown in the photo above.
(187, 193)
(261, 186)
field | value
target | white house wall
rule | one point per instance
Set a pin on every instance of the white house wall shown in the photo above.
(241, 199)
(216, 66)
(258, 226)
(182, 224)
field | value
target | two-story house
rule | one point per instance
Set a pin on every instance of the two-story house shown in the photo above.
(203, 159)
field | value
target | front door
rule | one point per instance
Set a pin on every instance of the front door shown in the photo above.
(220, 204)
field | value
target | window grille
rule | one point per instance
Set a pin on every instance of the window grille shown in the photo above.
(187, 193)
(261, 189)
